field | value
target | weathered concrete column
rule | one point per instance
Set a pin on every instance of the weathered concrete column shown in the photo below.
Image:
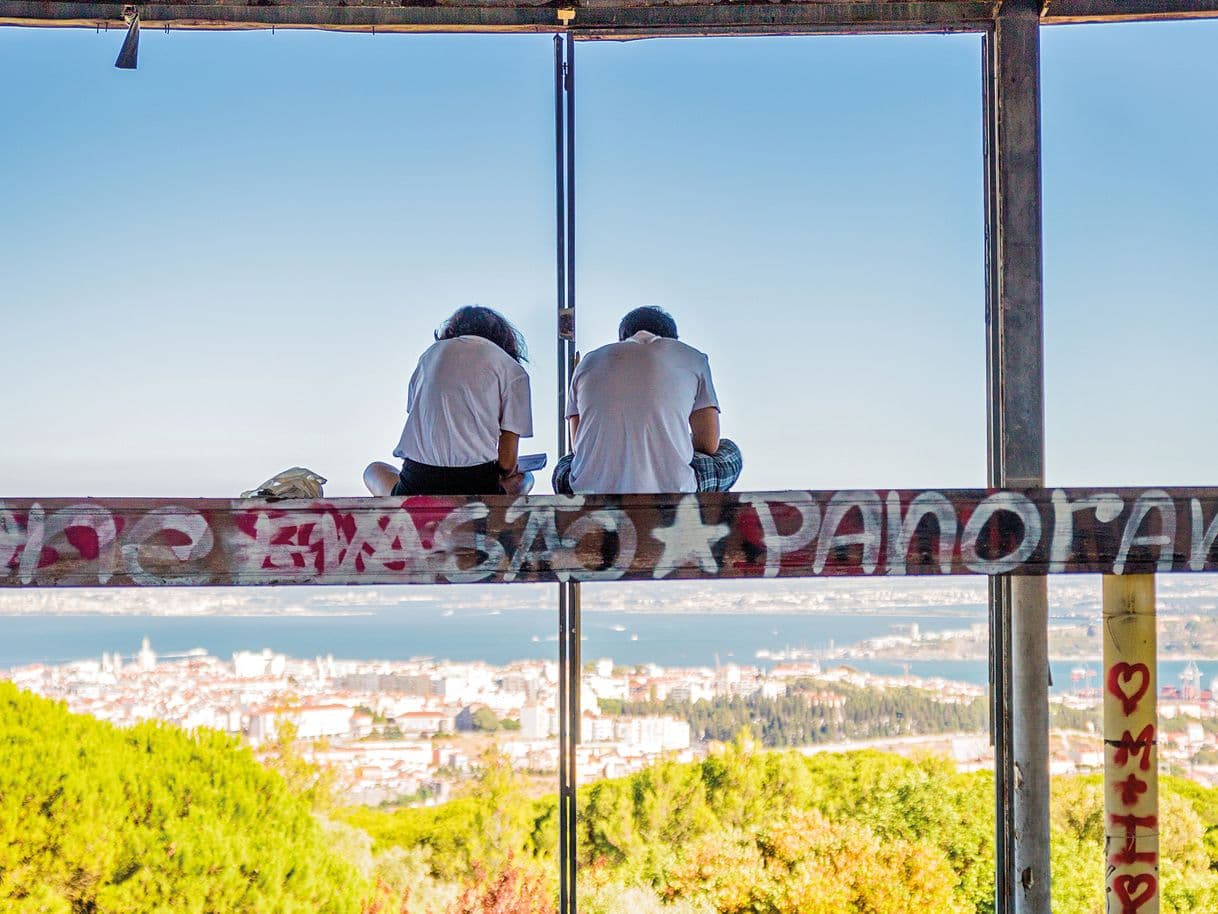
(1131, 753)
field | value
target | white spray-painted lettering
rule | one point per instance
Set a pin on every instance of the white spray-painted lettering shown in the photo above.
(590, 540)
(1150, 500)
(22, 543)
(459, 534)
(262, 553)
(540, 524)
(902, 529)
(604, 520)
(777, 545)
(1019, 505)
(137, 551)
(13, 538)
(870, 537)
(1107, 506)
(1202, 542)
(384, 539)
(90, 532)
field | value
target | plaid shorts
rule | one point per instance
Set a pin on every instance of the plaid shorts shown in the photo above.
(719, 471)
(715, 472)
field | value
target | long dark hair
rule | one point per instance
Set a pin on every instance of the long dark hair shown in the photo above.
(476, 320)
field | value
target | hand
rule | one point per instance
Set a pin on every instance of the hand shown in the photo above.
(517, 483)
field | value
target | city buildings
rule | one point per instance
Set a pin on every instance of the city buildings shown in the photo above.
(409, 730)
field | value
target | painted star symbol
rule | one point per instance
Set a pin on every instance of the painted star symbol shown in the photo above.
(688, 541)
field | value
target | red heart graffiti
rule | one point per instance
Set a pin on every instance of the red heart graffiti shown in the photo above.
(1119, 675)
(1134, 891)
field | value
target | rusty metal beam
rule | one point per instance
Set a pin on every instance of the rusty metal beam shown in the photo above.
(426, 540)
(616, 19)
(1078, 11)
(1014, 320)
(597, 19)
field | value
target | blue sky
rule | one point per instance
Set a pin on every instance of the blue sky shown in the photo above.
(227, 262)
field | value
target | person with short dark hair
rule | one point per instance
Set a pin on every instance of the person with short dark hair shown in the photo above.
(644, 416)
(651, 318)
(467, 407)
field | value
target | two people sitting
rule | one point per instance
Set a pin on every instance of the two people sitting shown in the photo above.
(642, 412)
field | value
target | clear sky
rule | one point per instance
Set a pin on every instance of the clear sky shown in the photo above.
(228, 261)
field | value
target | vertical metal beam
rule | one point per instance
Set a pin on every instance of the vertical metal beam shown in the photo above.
(563, 332)
(573, 698)
(570, 87)
(573, 595)
(565, 868)
(1015, 359)
(999, 593)
(568, 592)
(560, 231)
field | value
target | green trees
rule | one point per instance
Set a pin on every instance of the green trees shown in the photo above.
(1188, 846)
(751, 831)
(808, 864)
(815, 713)
(152, 819)
(486, 720)
(490, 822)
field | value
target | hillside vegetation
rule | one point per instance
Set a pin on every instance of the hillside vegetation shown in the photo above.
(97, 820)
(101, 820)
(751, 831)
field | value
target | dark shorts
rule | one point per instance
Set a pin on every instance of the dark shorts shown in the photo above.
(424, 479)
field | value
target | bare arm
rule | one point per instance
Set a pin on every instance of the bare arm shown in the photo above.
(509, 450)
(573, 421)
(704, 425)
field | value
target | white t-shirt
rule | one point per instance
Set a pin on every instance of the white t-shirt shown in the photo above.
(634, 399)
(464, 391)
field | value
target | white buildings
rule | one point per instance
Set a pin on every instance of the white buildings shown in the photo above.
(251, 665)
(311, 721)
(424, 723)
(538, 722)
(145, 660)
(344, 710)
(648, 736)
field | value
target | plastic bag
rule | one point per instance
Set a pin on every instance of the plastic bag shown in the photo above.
(297, 482)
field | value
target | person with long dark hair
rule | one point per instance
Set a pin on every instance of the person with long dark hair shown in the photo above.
(467, 407)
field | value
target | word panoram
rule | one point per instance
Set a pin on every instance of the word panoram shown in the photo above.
(122, 542)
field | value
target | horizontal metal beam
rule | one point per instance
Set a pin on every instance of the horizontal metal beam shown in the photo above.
(616, 19)
(428, 540)
(600, 18)
(1078, 11)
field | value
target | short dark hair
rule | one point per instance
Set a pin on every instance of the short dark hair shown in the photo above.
(476, 320)
(650, 318)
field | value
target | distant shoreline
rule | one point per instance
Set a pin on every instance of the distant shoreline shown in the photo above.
(262, 614)
(976, 612)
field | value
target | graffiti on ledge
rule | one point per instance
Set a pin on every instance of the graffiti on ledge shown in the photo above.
(113, 542)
